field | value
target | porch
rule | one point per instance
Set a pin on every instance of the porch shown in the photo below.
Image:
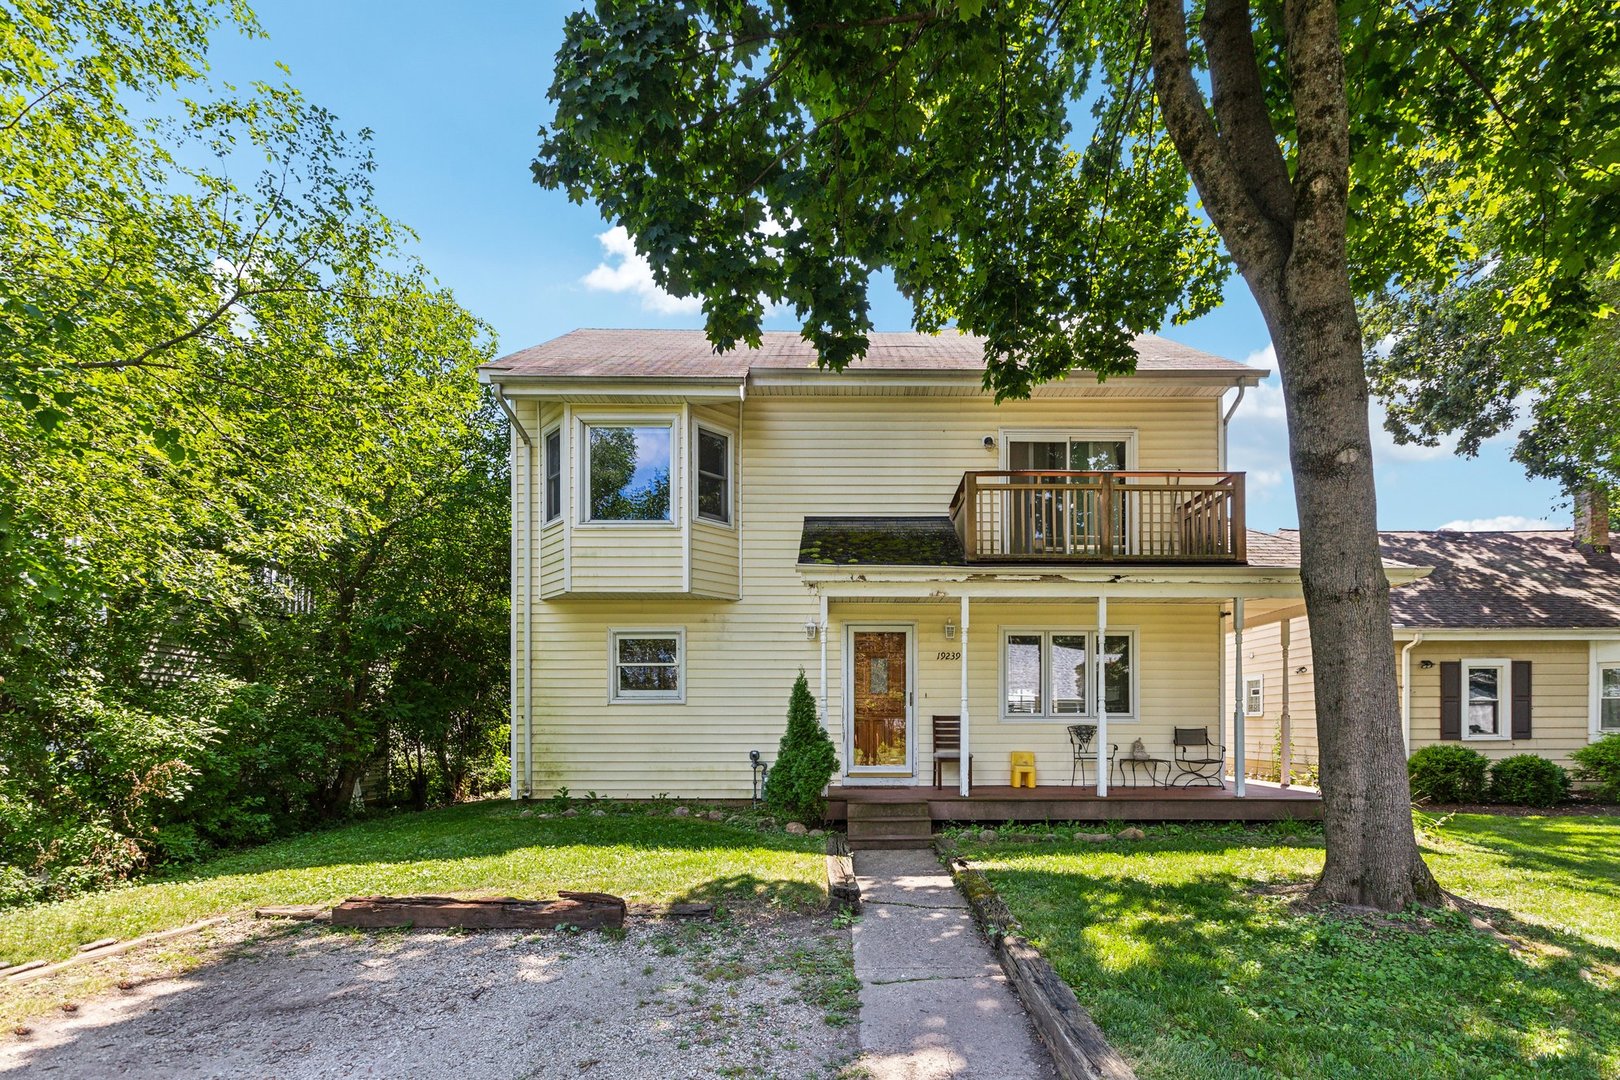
(1061, 802)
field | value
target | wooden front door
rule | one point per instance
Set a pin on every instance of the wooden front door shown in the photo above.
(880, 701)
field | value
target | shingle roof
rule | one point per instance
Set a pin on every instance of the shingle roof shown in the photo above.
(1503, 580)
(880, 541)
(687, 354)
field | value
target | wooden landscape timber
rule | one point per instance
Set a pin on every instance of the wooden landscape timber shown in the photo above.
(580, 910)
(35, 969)
(843, 890)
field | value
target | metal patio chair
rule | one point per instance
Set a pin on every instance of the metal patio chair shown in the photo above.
(1081, 736)
(1199, 760)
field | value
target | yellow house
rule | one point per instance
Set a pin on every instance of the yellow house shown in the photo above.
(691, 529)
(1510, 646)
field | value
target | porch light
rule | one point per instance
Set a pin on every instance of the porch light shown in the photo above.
(812, 629)
(1425, 664)
(950, 629)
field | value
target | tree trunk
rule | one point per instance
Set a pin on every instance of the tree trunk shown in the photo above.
(1286, 230)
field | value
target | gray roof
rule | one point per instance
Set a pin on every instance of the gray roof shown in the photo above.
(687, 354)
(1504, 580)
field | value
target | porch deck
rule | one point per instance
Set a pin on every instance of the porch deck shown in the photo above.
(1056, 802)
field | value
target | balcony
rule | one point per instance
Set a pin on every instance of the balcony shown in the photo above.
(1100, 517)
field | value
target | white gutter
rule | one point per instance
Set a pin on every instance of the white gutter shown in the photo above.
(1220, 451)
(527, 556)
(1406, 691)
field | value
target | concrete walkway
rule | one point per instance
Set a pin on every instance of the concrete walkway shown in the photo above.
(934, 1003)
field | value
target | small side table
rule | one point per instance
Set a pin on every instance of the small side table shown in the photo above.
(1153, 765)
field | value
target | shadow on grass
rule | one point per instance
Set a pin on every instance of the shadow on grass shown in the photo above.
(1193, 971)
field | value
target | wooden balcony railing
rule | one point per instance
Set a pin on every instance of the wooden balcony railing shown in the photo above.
(1136, 517)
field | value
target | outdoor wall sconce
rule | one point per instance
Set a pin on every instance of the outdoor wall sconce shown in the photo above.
(1425, 664)
(812, 629)
(950, 629)
(1301, 670)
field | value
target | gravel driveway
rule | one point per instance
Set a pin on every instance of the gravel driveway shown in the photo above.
(662, 1002)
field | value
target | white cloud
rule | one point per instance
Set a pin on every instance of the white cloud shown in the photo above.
(624, 270)
(1501, 523)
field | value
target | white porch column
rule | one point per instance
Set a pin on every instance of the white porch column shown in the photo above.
(1099, 652)
(1285, 722)
(965, 766)
(821, 633)
(1239, 757)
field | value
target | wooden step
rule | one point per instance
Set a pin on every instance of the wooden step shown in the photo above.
(865, 830)
(874, 811)
(877, 843)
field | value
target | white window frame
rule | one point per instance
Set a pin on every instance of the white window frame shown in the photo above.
(699, 428)
(1047, 715)
(1254, 686)
(643, 697)
(546, 517)
(1125, 435)
(582, 464)
(1605, 657)
(1504, 699)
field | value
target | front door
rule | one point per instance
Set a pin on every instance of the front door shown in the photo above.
(880, 698)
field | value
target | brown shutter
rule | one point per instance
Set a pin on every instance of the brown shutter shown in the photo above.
(1521, 699)
(1451, 699)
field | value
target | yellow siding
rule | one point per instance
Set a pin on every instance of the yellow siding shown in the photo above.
(805, 456)
(1262, 655)
(715, 552)
(1560, 706)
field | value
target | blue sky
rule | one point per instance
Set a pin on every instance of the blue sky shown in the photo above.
(454, 95)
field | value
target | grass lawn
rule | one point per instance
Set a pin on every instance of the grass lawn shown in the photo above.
(644, 855)
(1192, 957)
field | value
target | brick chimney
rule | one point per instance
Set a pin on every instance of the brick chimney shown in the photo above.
(1592, 518)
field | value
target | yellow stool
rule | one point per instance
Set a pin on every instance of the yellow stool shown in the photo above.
(1023, 767)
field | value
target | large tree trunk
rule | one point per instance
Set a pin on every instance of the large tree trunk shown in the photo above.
(1286, 230)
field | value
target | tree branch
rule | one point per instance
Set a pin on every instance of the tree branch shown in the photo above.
(1239, 102)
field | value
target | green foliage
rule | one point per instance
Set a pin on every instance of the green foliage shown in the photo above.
(1194, 959)
(249, 485)
(805, 761)
(1528, 780)
(1447, 773)
(1599, 763)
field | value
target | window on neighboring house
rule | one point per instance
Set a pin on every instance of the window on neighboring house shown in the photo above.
(1609, 698)
(714, 476)
(1046, 674)
(1254, 695)
(647, 665)
(553, 465)
(627, 472)
(1486, 698)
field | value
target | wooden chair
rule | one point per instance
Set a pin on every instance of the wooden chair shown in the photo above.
(948, 746)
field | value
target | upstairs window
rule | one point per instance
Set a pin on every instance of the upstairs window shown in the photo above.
(714, 476)
(553, 463)
(627, 472)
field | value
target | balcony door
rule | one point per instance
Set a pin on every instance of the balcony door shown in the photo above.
(1063, 521)
(878, 673)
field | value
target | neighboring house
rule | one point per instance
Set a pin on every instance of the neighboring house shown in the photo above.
(691, 529)
(1510, 646)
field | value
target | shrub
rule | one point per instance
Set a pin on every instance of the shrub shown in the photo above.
(1599, 764)
(1528, 780)
(805, 761)
(1448, 773)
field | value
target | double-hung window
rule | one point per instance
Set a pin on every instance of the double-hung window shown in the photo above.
(647, 665)
(1608, 718)
(713, 476)
(628, 472)
(1487, 699)
(1047, 674)
(552, 444)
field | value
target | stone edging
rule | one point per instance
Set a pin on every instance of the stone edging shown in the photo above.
(1079, 1049)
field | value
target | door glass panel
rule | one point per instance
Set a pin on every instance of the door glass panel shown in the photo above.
(880, 684)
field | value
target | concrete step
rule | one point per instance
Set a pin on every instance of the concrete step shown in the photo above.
(877, 843)
(865, 830)
(876, 811)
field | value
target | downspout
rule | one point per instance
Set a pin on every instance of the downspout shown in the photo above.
(1225, 421)
(525, 655)
(1406, 690)
(821, 632)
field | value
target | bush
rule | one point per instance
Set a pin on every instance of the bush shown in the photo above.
(1448, 773)
(1528, 780)
(1599, 764)
(805, 761)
